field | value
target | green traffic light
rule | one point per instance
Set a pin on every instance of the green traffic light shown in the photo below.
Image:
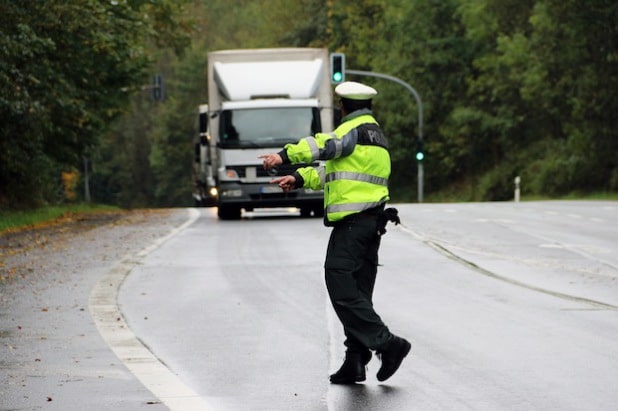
(420, 156)
(337, 76)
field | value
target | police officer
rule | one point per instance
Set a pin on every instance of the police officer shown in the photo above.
(355, 182)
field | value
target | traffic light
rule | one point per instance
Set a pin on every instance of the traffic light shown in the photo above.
(157, 88)
(337, 68)
(420, 154)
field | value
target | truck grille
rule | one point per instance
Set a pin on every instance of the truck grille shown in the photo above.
(281, 170)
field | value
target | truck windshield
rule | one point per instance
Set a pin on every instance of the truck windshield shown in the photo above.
(268, 127)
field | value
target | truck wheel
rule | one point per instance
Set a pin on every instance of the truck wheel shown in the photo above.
(305, 212)
(228, 213)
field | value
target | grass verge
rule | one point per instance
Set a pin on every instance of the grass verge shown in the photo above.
(16, 220)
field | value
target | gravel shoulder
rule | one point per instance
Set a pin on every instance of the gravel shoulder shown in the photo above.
(51, 354)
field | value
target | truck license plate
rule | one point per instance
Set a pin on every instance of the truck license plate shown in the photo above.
(270, 189)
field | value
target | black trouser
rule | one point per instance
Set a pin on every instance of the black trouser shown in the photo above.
(350, 271)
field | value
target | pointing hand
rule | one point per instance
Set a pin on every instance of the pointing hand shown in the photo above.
(286, 183)
(271, 160)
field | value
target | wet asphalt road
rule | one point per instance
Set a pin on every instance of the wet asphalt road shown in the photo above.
(507, 306)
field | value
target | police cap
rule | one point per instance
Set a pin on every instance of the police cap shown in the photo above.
(355, 91)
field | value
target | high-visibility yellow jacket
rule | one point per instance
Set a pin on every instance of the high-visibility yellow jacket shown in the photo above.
(358, 165)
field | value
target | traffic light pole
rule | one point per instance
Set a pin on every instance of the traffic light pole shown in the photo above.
(419, 103)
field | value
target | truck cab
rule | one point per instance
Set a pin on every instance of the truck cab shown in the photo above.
(250, 129)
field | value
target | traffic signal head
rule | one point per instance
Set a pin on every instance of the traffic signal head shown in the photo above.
(157, 88)
(420, 154)
(337, 68)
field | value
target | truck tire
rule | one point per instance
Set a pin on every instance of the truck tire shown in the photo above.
(228, 212)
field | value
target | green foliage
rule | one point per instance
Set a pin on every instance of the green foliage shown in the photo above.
(547, 69)
(66, 71)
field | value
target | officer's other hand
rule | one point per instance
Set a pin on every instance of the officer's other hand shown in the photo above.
(271, 160)
(286, 183)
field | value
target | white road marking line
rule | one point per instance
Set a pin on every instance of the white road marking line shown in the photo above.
(155, 376)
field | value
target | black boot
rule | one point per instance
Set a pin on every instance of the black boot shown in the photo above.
(353, 368)
(391, 356)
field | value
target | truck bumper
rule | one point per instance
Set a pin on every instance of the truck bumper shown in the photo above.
(250, 196)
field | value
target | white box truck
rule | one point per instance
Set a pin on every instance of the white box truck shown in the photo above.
(258, 101)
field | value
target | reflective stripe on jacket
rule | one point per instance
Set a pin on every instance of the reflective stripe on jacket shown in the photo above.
(357, 169)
